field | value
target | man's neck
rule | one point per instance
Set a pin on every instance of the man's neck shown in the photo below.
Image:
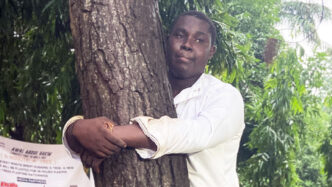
(178, 84)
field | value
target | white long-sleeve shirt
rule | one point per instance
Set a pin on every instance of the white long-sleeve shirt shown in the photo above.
(208, 128)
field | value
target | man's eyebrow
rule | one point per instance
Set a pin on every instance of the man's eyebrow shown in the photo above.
(179, 30)
(199, 33)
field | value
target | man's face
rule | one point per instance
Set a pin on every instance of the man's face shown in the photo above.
(189, 47)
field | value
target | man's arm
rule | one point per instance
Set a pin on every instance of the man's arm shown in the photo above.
(95, 136)
(221, 119)
(92, 151)
(134, 136)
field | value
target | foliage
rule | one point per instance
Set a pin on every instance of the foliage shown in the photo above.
(326, 147)
(255, 19)
(288, 132)
(36, 69)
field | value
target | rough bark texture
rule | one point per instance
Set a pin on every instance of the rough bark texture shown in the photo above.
(121, 67)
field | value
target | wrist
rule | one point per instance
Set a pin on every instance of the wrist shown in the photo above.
(74, 129)
(133, 136)
(119, 131)
(71, 137)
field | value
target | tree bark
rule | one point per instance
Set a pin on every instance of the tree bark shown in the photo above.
(120, 63)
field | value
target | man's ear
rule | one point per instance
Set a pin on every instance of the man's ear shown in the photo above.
(212, 51)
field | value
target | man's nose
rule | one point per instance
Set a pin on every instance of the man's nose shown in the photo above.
(186, 45)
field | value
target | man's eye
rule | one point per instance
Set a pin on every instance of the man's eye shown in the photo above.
(178, 35)
(199, 40)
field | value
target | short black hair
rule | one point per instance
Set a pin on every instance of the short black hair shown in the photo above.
(201, 16)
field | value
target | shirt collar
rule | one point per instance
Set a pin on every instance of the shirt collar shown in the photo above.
(190, 92)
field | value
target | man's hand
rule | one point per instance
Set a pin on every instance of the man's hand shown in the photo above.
(90, 160)
(96, 136)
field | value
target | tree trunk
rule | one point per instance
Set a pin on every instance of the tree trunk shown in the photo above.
(121, 68)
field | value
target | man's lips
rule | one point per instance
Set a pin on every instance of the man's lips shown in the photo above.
(184, 59)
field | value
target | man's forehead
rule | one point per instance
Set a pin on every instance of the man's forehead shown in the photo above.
(193, 23)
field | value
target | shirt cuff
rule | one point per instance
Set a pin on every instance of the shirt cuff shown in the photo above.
(151, 128)
(71, 121)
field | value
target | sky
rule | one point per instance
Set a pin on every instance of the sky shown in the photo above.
(324, 30)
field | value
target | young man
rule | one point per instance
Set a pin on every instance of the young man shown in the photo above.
(210, 114)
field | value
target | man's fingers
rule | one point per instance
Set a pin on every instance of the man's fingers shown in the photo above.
(103, 154)
(96, 163)
(110, 136)
(90, 160)
(83, 159)
(86, 159)
(106, 148)
(111, 148)
(114, 140)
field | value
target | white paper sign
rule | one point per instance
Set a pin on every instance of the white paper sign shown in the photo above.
(25, 164)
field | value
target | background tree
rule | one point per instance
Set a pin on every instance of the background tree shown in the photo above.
(122, 72)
